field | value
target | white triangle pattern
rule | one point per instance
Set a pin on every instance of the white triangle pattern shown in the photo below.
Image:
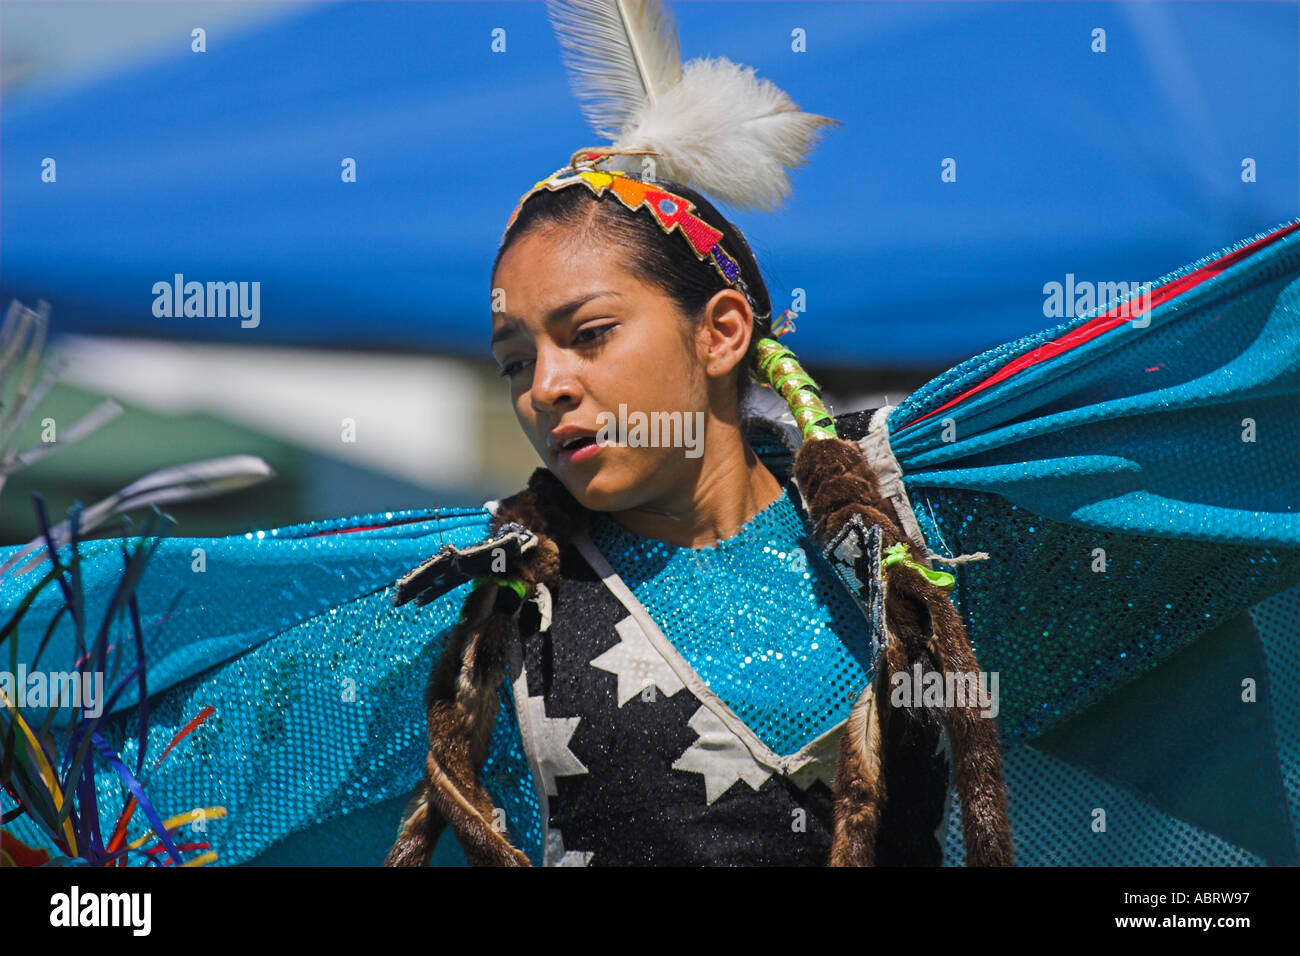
(720, 756)
(636, 663)
(551, 740)
(557, 855)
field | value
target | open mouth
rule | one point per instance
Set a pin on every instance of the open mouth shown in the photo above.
(577, 448)
(578, 441)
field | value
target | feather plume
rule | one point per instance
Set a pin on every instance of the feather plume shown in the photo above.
(727, 133)
(199, 479)
(620, 55)
(717, 127)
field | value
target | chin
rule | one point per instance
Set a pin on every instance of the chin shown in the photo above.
(605, 490)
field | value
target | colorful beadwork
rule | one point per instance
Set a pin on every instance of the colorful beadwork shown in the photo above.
(671, 211)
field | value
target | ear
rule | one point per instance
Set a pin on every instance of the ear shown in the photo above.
(723, 333)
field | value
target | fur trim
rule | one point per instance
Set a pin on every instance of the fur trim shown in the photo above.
(461, 704)
(859, 783)
(921, 626)
(461, 698)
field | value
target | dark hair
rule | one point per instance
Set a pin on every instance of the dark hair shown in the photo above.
(665, 261)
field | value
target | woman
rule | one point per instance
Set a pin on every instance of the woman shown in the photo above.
(603, 318)
(689, 650)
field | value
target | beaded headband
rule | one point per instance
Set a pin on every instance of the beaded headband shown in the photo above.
(674, 213)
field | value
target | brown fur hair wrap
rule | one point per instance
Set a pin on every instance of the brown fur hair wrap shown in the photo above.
(461, 699)
(922, 626)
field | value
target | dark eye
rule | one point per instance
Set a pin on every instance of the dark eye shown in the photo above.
(591, 333)
(509, 371)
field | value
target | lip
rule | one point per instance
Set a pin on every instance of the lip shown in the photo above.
(560, 435)
(578, 454)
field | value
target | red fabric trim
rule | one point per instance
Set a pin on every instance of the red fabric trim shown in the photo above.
(367, 527)
(22, 854)
(1111, 319)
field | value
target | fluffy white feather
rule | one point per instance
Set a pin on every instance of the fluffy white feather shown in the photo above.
(727, 133)
(718, 127)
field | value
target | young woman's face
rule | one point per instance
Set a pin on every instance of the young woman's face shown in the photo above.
(576, 336)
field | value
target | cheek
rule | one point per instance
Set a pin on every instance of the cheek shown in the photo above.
(659, 373)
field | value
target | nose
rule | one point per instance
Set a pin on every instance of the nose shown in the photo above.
(555, 382)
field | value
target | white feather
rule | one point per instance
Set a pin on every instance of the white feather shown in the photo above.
(718, 127)
(727, 133)
(621, 55)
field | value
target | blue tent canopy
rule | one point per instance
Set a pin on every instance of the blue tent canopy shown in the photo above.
(225, 166)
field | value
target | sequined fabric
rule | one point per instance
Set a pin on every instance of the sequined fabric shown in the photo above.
(317, 680)
(761, 617)
(1107, 701)
(643, 765)
(1132, 489)
(1080, 628)
(1136, 494)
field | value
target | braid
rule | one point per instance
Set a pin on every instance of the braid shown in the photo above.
(838, 483)
(461, 699)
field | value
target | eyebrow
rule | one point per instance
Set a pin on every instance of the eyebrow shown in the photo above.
(560, 311)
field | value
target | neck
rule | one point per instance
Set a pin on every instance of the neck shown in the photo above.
(733, 485)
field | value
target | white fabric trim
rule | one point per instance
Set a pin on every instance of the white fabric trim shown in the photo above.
(636, 664)
(889, 476)
(786, 765)
(555, 849)
(720, 757)
(528, 736)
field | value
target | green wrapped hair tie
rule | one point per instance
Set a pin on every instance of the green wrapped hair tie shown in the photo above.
(901, 552)
(515, 584)
(800, 377)
(781, 371)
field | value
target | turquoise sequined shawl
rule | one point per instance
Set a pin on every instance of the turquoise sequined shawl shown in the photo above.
(1133, 485)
